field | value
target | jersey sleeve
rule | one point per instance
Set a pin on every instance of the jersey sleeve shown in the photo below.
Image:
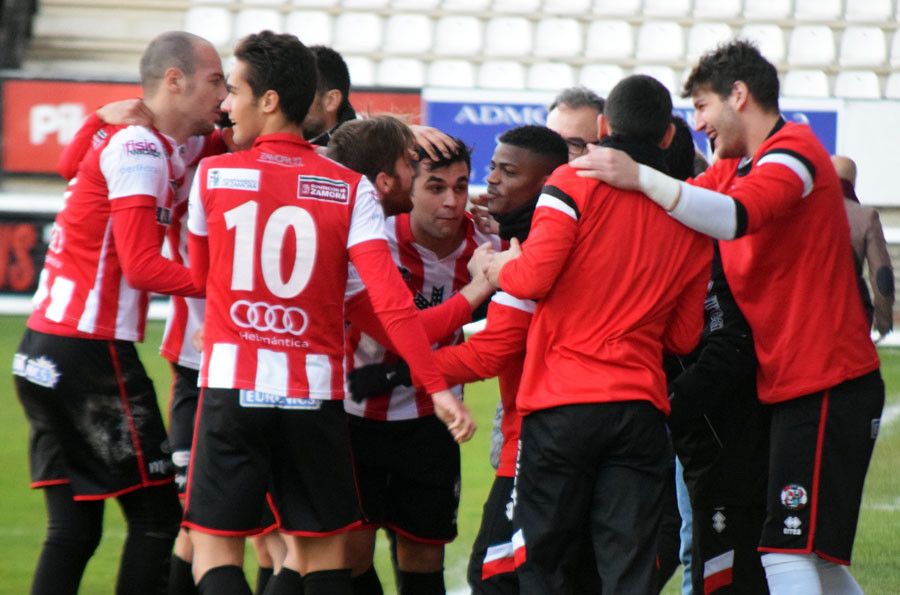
(711, 178)
(139, 250)
(367, 219)
(393, 305)
(198, 245)
(196, 217)
(487, 353)
(781, 178)
(134, 165)
(545, 252)
(71, 157)
(438, 321)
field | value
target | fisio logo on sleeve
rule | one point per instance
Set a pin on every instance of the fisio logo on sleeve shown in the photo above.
(141, 147)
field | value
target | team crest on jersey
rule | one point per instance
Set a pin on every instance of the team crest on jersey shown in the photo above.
(233, 179)
(319, 188)
(41, 371)
(252, 398)
(794, 497)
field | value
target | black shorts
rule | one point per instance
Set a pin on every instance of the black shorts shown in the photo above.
(408, 476)
(598, 468)
(821, 445)
(724, 551)
(252, 450)
(182, 413)
(95, 422)
(492, 567)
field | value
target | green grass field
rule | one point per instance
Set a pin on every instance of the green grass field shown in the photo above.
(22, 517)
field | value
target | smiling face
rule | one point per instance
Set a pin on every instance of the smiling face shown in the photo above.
(204, 91)
(439, 204)
(517, 176)
(242, 107)
(717, 118)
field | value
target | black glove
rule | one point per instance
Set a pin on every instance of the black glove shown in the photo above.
(377, 379)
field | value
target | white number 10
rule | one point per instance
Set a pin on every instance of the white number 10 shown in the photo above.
(242, 219)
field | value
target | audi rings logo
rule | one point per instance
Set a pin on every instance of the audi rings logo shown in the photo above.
(261, 316)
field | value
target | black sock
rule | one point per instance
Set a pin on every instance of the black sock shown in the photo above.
(367, 583)
(422, 583)
(181, 581)
(263, 576)
(328, 582)
(224, 580)
(286, 582)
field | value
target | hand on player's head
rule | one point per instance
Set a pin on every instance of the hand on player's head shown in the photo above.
(434, 142)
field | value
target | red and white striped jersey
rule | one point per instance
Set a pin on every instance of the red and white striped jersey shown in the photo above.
(431, 281)
(186, 314)
(279, 220)
(82, 290)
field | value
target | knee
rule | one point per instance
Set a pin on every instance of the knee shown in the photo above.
(81, 534)
(155, 514)
(414, 556)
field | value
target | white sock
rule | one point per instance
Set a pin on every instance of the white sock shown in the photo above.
(792, 574)
(836, 579)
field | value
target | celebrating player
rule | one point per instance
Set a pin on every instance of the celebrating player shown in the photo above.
(96, 428)
(776, 197)
(615, 284)
(272, 230)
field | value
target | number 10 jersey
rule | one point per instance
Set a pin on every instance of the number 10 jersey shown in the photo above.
(279, 221)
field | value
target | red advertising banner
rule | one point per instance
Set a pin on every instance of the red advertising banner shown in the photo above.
(406, 105)
(22, 249)
(40, 117)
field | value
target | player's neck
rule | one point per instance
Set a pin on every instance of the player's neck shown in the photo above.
(441, 247)
(277, 124)
(759, 126)
(169, 122)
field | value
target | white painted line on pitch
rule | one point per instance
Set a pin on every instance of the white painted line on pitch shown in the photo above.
(890, 414)
(885, 506)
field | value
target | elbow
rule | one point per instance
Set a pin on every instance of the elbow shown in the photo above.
(136, 280)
